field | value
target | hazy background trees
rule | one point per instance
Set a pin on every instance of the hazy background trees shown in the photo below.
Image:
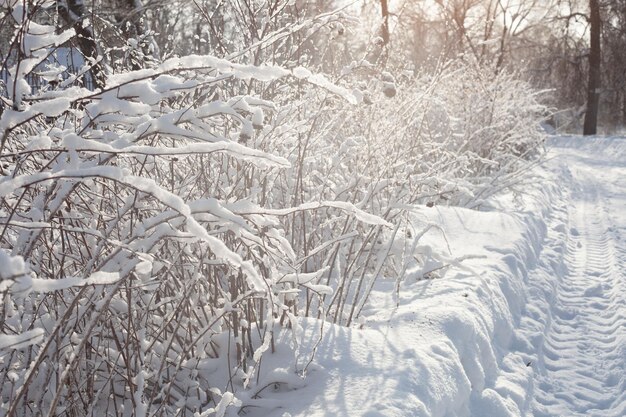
(546, 42)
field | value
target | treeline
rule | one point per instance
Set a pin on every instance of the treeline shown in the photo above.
(546, 42)
(572, 47)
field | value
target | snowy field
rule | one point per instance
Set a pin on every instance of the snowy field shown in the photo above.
(525, 316)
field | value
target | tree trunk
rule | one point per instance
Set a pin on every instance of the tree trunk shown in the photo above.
(624, 107)
(595, 58)
(385, 14)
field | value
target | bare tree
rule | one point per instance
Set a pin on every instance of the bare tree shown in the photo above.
(595, 60)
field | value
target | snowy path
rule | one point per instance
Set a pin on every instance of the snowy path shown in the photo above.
(581, 365)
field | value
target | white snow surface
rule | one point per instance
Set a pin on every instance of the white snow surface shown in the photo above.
(530, 323)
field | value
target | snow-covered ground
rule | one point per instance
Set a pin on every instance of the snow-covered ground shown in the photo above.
(524, 317)
(574, 326)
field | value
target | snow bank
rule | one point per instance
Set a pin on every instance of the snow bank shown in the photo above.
(441, 347)
(444, 351)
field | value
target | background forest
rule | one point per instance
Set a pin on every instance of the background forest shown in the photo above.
(182, 180)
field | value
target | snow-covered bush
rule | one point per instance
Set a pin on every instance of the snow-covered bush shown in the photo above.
(459, 129)
(144, 265)
(452, 137)
(155, 234)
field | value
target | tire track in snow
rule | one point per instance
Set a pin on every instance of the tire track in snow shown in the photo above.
(581, 361)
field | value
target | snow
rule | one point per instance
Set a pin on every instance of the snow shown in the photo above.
(98, 278)
(12, 266)
(428, 355)
(247, 208)
(578, 303)
(241, 71)
(532, 325)
(255, 156)
(322, 81)
(21, 340)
